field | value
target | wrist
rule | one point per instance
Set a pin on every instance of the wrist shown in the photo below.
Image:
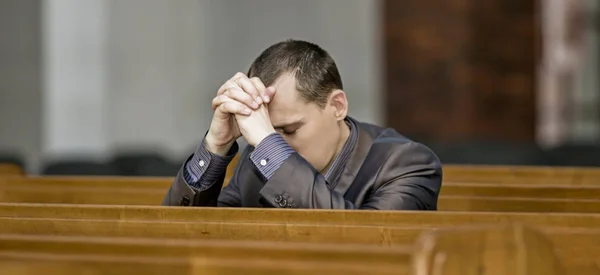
(217, 147)
(260, 137)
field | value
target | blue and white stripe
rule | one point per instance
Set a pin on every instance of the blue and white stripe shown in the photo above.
(204, 167)
(338, 165)
(270, 154)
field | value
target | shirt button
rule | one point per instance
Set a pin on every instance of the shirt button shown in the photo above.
(201, 163)
(263, 162)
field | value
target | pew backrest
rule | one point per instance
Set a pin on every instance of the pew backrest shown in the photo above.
(490, 250)
(10, 169)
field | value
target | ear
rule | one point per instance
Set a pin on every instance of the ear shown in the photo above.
(338, 104)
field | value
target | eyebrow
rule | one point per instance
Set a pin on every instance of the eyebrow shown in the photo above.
(286, 125)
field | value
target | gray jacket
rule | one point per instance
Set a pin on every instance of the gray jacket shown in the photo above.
(386, 171)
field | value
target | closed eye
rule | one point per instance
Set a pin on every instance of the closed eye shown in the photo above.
(290, 132)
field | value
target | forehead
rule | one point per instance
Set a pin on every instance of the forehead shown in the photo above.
(287, 106)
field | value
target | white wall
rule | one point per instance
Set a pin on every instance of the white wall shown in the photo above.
(141, 73)
(167, 58)
(20, 79)
(158, 83)
(75, 66)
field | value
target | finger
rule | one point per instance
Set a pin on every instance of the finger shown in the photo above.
(239, 95)
(262, 91)
(249, 88)
(227, 85)
(270, 93)
(218, 100)
(239, 75)
(234, 107)
(230, 82)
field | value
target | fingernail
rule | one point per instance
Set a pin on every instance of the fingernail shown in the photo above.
(254, 104)
(247, 111)
(259, 100)
(266, 98)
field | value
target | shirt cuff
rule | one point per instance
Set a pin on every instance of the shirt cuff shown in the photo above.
(205, 167)
(270, 154)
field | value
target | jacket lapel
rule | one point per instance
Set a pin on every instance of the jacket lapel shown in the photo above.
(363, 145)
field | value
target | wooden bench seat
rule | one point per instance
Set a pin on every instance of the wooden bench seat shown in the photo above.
(454, 197)
(573, 238)
(33, 264)
(143, 246)
(161, 185)
(532, 205)
(74, 264)
(389, 235)
(577, 253)
(153, 196)
(298, 216)
(530, 175)
(358, 257)
(574, 176)
(10, 169)
(503, 242)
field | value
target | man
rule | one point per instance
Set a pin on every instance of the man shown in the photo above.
(303, 150)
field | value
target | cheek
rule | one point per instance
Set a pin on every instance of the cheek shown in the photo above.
(304, 142)
(313, 144)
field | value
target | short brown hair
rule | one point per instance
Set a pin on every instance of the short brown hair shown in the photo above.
(314, 69)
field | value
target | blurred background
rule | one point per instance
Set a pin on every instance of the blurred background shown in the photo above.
(123, 87)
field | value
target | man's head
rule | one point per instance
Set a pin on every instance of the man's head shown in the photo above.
(310, 106)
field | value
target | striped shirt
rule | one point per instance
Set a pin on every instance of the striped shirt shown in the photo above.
(205, 167)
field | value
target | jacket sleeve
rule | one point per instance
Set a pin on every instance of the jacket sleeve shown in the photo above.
(409, 179)
(185, 193)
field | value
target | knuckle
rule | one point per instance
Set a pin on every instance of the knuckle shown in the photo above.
(227, 106)
(230, 83)
(232, 92)
(221, 108)
(223, 99)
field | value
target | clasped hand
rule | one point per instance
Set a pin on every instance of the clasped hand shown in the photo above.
(240, 110)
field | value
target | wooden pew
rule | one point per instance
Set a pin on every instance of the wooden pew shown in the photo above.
(573, 235)
(503, 241)
(473, 198)
(162, 184)
(10, 169)
(150, 191)
(482, 252)
(530, 175)
(73, 264)
(500, 204)
(355, 257)
(24, 264)
(297, 216)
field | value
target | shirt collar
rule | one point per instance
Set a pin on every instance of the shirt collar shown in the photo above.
(334, 173)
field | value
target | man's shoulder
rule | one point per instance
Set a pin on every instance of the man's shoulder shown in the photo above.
(383, 135)
(390, 140)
